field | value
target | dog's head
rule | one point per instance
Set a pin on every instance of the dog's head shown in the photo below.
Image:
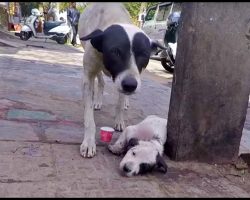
(126, 50)
(142, 157)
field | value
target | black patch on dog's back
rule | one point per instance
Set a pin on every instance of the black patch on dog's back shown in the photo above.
(141, 49)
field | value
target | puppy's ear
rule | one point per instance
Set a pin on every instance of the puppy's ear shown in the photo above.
(160, 163)
(144, 168)
(131, 143)
(155, 45)
(95, 39)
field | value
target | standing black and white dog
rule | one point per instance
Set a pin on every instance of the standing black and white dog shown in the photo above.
(115, 46)
(143, 144)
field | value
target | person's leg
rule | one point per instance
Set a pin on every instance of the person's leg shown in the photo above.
(76, 31)
(74, 35)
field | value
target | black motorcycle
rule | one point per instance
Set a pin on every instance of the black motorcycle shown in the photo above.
(170, 40)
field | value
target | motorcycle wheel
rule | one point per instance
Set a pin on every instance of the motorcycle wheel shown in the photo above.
(61, 40)
(167, 65)
(25, 35)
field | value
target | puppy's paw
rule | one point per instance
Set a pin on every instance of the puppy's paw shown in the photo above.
(114, 149)
(119, 125)
(110, 147)
(88, 149)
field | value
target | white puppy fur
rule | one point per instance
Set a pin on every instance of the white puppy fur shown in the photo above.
(143, 144)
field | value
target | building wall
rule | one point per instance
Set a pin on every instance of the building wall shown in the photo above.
(3, 17)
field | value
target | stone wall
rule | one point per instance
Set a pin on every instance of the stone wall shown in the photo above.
(3, 18)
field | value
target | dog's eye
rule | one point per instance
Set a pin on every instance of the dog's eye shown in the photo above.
(133, 153)
(116, 52)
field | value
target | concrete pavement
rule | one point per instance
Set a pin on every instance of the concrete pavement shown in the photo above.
(41, 115)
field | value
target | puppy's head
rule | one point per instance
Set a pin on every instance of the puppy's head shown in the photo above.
(126, 51)
(142, 157)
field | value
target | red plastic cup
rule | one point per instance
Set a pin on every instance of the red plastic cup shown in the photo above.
(106, 134)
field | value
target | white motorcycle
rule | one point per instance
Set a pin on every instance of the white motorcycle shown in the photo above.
(55, 30)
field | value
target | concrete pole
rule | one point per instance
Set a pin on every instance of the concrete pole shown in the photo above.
(211, 83)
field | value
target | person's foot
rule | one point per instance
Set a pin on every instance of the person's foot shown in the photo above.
(77, 45)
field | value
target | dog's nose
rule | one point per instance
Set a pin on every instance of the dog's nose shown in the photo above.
(129, 84)
(126, 169)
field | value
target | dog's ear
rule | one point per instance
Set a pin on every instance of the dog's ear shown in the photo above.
(131, 143)
(144, 168)
(95, 39)
(160, 163)
(155, 45)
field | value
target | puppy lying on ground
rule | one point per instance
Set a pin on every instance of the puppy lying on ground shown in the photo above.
(143, 144)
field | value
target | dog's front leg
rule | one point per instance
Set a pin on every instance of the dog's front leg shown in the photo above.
(126, 102)
(88, 146)
(119, 112)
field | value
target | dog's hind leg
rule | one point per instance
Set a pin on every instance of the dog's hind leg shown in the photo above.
(119, 112)
(99, 92)
(88, 146)
(126, 103)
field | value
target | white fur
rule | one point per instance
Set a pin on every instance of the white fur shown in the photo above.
(100, 16)
(153, 127)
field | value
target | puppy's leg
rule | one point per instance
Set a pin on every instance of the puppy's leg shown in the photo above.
(119, 146)
(88, 146)
(99, 93)
(119, 112)
(126, 104)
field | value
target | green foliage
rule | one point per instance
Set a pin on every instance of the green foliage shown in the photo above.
(134, 8)
(64, 5)
(26, 7)
(149, 4)
(80, 8)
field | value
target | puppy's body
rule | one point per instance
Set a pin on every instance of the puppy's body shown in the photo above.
(143, 144)
(118, 48)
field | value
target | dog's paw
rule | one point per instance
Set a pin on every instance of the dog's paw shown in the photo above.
(110, 147)
(113, 149)
(126, 103)
(119, 125)
(88, 149)
(97, 105)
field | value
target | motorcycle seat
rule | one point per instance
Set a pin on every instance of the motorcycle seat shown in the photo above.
(50, 25)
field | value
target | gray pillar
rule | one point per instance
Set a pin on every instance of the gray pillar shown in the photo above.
(211, 83)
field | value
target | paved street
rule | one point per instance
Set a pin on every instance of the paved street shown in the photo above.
(41, 115)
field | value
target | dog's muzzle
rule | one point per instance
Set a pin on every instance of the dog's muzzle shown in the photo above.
(129, 85)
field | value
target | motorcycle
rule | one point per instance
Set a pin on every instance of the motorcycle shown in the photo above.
(55, 30)
(170, 40)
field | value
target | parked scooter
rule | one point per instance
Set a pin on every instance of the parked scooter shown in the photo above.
(170, 40)
(55, 30)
